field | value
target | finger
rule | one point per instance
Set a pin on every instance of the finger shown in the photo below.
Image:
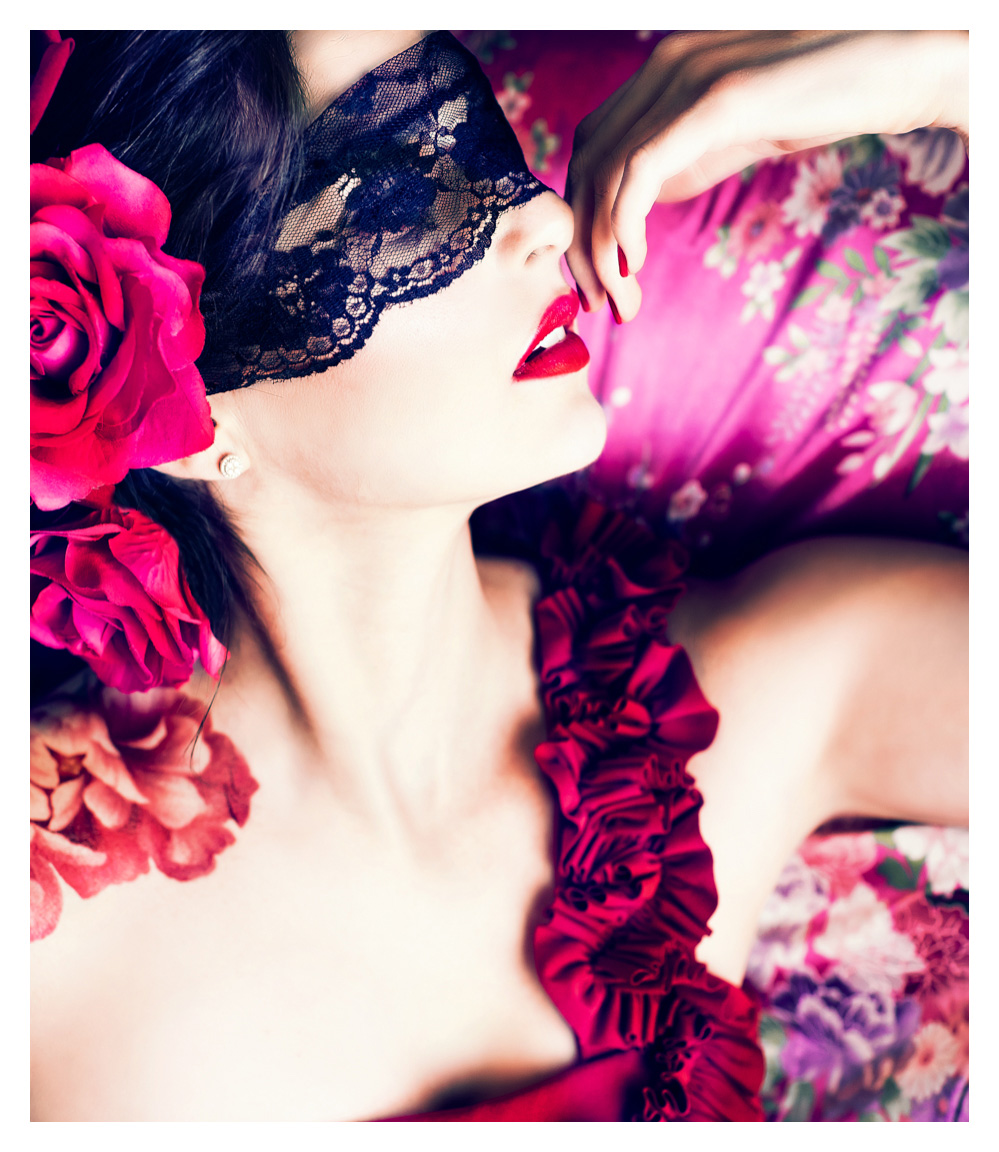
(672, 100)
(579, 192)
(614, 276)
(596, 172)
(664, 88)
(577, 256)
(688, 156)
(702, 128)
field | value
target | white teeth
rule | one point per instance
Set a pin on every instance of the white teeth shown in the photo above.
(553, 338)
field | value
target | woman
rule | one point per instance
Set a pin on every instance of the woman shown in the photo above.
(360, 952)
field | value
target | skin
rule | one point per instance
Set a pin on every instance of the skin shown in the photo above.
(708, 104)
(364, 947)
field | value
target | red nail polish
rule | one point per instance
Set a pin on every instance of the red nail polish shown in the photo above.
(614, 311)
(582, 299)
(622, 261)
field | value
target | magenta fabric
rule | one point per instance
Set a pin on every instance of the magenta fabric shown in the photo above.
(591, 1090)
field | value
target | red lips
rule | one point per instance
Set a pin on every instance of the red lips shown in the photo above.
(568, 355)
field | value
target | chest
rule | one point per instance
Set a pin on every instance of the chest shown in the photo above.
(333, 982)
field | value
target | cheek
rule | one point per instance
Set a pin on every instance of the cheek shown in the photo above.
(415, 401)
(427, 411)
(376, 429)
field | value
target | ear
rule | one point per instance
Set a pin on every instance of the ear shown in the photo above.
(205, 465)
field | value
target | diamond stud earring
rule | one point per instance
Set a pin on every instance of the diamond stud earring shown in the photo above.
(231, 466)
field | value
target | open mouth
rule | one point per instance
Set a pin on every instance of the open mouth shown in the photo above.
(554, 337)
(555, 349)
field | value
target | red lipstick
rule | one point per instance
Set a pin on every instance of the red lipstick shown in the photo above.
(570, 354)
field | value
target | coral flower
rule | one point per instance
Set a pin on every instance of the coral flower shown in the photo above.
(756, 231)
(117, 781)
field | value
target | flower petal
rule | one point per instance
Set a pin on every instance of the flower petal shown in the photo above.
(135, 206)
(173, 800)
(110, 809)
(44, 772)
(41, 810)
(187, 853)
(66, 801)
(44, 81)
(46, 897)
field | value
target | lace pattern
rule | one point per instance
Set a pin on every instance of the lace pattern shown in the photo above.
(402, 180)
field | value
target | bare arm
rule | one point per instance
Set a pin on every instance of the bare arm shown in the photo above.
(707, 104)
(840, 671)
(855, 651)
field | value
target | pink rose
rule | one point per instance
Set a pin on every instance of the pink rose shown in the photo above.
(115, 330)
(110, 590)
(121, 780)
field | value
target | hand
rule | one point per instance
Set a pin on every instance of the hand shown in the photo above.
(707, 104)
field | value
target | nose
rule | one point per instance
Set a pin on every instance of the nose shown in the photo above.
(541, 227)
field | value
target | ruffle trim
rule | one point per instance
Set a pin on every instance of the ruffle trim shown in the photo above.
(633, 884)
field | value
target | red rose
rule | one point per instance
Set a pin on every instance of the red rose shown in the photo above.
(115, 330)
(122, 780)
(110, 590)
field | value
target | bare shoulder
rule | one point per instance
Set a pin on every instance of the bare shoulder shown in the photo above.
(839, 669)
(858, 648)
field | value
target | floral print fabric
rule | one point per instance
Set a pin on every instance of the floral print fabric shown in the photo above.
(862, 962)
(799, 366)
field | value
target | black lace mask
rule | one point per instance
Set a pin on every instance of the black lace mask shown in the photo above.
(403, 178)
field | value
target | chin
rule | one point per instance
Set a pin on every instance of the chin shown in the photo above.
(585, 435)
(573, 438)
(581, 434)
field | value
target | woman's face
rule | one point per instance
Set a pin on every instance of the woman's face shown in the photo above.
(430, 411)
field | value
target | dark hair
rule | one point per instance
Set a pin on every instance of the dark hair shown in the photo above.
(214, 119)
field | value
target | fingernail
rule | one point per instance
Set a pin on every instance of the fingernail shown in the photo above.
(614, 311)
(585, 304)
(622, 261)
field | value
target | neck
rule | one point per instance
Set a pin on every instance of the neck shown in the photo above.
(402, 655)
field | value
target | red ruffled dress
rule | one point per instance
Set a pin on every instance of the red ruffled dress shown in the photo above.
(659, 1037)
